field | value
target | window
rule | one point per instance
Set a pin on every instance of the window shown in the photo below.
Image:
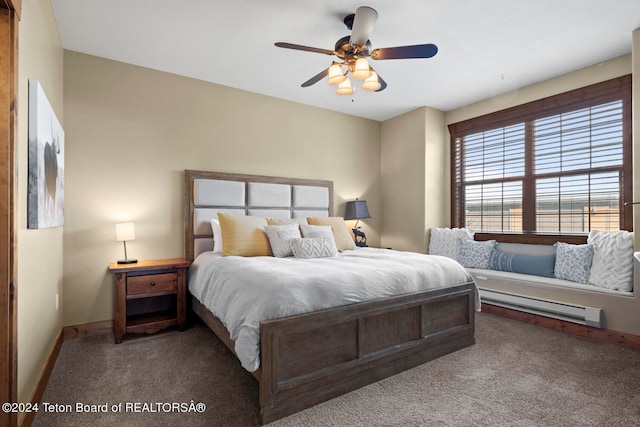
(560, 165)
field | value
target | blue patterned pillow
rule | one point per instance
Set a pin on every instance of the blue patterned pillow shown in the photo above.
(573, 262)
(537, 265)
(472, 254)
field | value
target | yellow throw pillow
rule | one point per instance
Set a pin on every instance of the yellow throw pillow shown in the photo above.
(279, 221)
(244, 235)
(340, 231)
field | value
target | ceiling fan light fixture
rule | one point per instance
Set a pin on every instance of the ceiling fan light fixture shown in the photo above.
(371, 83)
(345, 88)
(361, 69)
(352, 52)
(335, 75)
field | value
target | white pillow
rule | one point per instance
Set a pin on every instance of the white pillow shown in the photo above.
(318, 232)
(280, 237)
(314, 247)
(342, 236)
(612, 265)
(444, 241)
(217, 235)
(472, 254)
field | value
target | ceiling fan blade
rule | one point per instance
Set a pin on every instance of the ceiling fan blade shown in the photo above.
(362, 25)
(304, 48)
(404, 52)
(315, 79)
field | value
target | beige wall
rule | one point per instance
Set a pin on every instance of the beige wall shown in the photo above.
(39, 274)
(402, 174)
(414, 168)
(131, 131)
(436, 177)
(597, 73)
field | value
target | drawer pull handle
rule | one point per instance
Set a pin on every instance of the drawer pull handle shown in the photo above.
(153, 283)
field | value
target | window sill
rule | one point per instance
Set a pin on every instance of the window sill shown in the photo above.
(533, 238)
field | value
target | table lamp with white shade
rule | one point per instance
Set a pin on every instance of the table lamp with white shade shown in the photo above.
(125, 231)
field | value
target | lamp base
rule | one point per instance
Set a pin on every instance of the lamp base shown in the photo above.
(360, 238)
(127, 261)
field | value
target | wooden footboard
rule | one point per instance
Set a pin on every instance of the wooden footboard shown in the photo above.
(314, 357)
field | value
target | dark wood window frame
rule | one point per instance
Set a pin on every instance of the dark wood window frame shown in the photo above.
(599, 93)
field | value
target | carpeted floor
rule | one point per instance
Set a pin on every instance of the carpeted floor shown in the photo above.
(516, 375)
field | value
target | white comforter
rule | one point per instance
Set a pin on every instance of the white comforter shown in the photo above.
(242, 292)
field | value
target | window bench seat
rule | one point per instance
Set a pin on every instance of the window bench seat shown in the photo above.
(584, 304)
(484, 275)
(523, 277)
(514, 291)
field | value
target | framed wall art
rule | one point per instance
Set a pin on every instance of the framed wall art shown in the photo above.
(45, 193)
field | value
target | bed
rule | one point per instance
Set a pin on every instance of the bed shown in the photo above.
(307, 358)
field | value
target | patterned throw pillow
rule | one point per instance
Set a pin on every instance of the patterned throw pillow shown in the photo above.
(318, 247)
(280, 237)
(573, 262)
(612, 265)
(472, 254)
(444, 241)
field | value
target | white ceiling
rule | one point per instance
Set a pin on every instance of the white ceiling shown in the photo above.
(486, 47)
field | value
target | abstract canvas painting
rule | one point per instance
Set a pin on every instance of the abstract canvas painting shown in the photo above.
(45, 194)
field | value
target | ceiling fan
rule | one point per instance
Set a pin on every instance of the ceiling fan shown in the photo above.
(353, 51)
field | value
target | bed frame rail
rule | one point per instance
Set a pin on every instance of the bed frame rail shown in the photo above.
(314, 357)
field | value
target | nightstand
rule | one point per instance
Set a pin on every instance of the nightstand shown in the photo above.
(150, 296)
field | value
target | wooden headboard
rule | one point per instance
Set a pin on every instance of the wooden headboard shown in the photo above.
(207, 193)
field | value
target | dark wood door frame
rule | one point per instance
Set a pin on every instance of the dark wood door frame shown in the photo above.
(9, 17)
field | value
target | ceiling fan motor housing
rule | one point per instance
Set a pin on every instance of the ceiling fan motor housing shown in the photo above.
(345, 50)
(348, 21)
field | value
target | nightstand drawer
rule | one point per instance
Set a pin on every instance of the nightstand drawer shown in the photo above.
(152, 283)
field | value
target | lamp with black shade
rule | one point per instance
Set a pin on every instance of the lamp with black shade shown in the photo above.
(357, 209)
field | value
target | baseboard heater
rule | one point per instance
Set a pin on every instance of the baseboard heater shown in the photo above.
(572, 313)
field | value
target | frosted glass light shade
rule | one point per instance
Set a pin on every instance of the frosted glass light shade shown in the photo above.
(345, 88)
(335, 75)
(371, 83)
(361, 70)
(125, 231)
